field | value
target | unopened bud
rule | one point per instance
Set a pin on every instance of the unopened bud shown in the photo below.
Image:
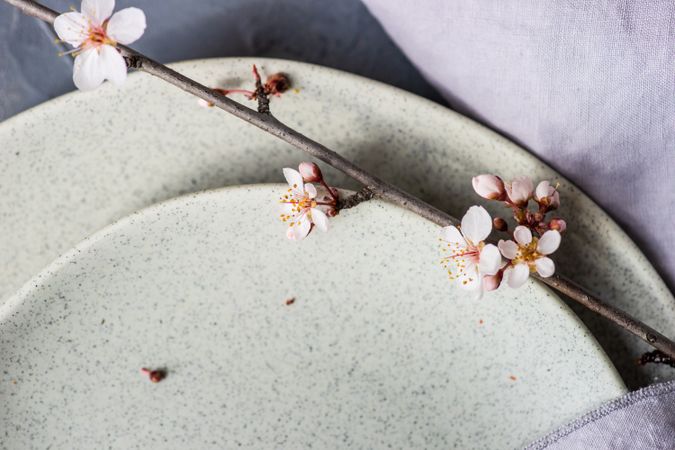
(519, 191)
(488, 186)
(557, 224)
(332, 212)
(500, 224)
(310, 172)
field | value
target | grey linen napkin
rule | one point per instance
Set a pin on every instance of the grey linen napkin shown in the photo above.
(643, 419)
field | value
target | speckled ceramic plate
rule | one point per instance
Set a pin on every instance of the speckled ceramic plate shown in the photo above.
(77, 163)
(377, 350)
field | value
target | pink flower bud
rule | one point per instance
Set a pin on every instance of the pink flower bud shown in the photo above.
(557, 224)
(310, 172)
(519, 190)
(488, 186)
(500, 224)
(547, 195)
(492, 282)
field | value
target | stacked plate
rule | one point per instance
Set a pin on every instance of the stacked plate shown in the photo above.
(351, 338)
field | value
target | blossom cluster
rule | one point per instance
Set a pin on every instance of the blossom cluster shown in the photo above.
(480, 266)
(302, 206)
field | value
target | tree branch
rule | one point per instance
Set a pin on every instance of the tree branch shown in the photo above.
(361, 196)
(378, 187)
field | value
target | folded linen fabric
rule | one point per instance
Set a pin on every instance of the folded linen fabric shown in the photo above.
(643, 419)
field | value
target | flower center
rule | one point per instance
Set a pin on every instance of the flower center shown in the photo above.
(98, 36)
(462, 260)
(300, 206)
(527, 253)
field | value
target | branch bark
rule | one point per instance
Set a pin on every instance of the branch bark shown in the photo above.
(261, 94)
(363, 195)
(378, 187)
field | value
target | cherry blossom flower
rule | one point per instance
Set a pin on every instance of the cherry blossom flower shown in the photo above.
(300, 208)
(470, 259)
(95, 33)
(488, 186)
(528, 254)
(547, 195)
(519, 190)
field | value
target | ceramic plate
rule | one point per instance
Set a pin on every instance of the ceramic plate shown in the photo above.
(77, 163)
(378, 349)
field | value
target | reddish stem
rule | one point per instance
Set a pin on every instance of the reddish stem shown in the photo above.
(330, 191)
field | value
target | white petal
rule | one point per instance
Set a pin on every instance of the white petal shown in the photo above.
(287, 208)
(451, 234)
(127, 25)
(72, 27)
(476, 224)
(112, 64)
(97, 10)
(490, 260)
(294, 179)
(299, 231)
(459, 266)
(87, 72)
(526, 186)
(543, 190)
(311, 190)
(517, 275)
(508, 248)
(523, 235)
(470, 281)
(549, 242)
(545, 266)
(320, 219)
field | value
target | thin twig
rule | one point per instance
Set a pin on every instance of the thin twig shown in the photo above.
(261, 93)
(656, 357)
(378, 187)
